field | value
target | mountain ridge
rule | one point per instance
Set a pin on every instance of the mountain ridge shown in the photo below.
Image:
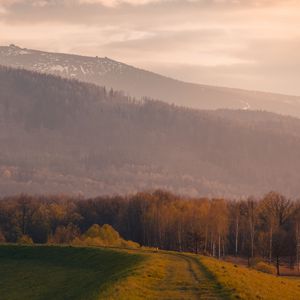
(142, 83)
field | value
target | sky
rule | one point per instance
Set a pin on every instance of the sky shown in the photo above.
(251, 44)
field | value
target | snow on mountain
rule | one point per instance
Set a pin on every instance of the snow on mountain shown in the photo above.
(59, 64)
(139, 83)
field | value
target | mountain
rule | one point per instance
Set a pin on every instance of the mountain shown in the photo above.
(59, 135)
(139, 83)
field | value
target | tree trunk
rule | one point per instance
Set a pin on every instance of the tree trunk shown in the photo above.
(297, 247)
(236, 236)
(271, 245)
(212, 245)
(277, 265)
(205, 243)
(252, 245)
(179, 238)
(219, 254)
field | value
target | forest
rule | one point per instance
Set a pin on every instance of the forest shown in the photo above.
(65, 136)
(266, 227)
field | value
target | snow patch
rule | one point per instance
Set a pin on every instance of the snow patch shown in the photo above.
(246, 105)
(58, 68)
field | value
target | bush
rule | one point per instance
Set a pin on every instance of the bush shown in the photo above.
(253, 261)
(64, 234)
(102, 236)
(2, 237)
(265, 268)
(25, 240)
(130, 244)
(109, 234)
(106, 235)
(93, 231)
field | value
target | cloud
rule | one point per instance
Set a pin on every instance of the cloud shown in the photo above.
(114, 3)
(109, 3)
(243, 43)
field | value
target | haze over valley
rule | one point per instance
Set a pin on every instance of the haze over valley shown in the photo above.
(149, 149)
(65, 136)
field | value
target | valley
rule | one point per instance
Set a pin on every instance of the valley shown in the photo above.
(64, 136)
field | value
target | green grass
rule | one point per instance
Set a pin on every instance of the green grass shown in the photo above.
(62, 273)
(250, 284)
(51, 272)
(168, 276)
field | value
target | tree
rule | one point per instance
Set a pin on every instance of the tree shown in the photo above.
(65, 234)
(276, 211)
(219, 225)
(250, 213)
(2, 237)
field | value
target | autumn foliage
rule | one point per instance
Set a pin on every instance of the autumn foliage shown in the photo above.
(101, 236)
(266, 227)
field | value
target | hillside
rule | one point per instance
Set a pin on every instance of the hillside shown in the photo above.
(139, 83)
(33, 273)
(90, 273)
(60, 135)
(45, 272)
(250, 284)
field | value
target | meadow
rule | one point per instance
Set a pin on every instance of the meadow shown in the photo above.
(60, 273)
(246, 283)
(64, 272)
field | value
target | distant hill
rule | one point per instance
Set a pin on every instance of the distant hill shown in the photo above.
(64, 136)
(139, 83)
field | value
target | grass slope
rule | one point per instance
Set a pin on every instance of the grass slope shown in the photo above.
(51, 272)
(60, 272)
(168, 275)
(249, 284)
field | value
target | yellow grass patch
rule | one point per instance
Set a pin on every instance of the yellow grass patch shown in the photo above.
(250, 284)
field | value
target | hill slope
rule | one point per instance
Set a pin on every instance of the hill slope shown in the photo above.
(35, 272)
(247, 283)
(137, 82)
(89, 273)
(61, 272)
(59, 135)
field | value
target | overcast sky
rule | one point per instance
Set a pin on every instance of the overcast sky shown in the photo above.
(252, 44)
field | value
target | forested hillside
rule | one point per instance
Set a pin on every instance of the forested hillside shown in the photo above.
(139, 83)
(60, 135)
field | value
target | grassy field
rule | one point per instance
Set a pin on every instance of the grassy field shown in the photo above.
(50, 272)
(40, 272)
(245, 283)
(168, 275)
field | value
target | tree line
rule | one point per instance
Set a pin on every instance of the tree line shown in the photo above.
(267, 227)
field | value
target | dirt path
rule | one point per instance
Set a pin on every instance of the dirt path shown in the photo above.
(168, 275)
(187, 278)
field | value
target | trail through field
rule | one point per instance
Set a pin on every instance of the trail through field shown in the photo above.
(168, 276)
(187, 278)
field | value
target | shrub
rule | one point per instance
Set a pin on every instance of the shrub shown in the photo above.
(25, 240)
(64, 234)
(109, 234)
(2, 237)
(102, 236)
(106, 235)
(130, 244)
(93, 231)
(253, 261)
(265, 268)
